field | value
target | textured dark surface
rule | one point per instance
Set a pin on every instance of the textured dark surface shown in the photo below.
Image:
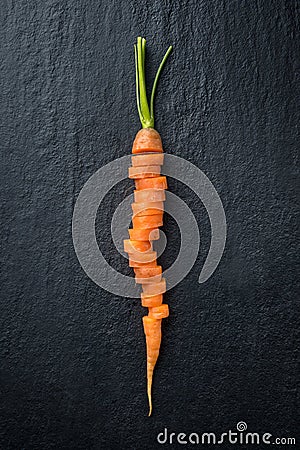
(73, 355)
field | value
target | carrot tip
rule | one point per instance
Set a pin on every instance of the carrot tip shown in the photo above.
(149, 395)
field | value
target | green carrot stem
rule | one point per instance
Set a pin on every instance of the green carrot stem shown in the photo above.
(146, 114)
(156, 80)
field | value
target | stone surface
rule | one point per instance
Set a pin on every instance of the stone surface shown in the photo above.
(73, 355)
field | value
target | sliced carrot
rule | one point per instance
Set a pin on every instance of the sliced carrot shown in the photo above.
(151, 183)
(143, 257)
(133, 263)
(143, 172)
(148, 221)
(146, 166)
(144, 234)
(133, 246)
(149, 212)
(147, 140)
(150, 195)
(159, 312)
(150, 159)
(149, 301)
(155, 288)
(147, 208)
(148, 271)
(148, 280)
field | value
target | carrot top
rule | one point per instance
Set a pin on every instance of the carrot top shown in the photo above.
(146, 113)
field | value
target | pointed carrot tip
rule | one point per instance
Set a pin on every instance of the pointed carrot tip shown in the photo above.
(149, 395)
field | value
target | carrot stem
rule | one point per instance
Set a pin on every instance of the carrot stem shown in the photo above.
(146, 114)
(156, 80)
(141, 50)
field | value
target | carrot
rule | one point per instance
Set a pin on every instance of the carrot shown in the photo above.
(148, 275)
(152, 330)
(150, 159)
(151, 183)
(133, 246)
(159, 312)
(149, 301)
(147, 140)
(141, 234)
(150, 195)
(143, 257)
(155, 288)
(148, 221)
(134, 264)
(148, 271)
(147, 210)
(148, 280)
(143, 172)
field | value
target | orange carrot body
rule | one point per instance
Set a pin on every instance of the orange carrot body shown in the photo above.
(147, 217)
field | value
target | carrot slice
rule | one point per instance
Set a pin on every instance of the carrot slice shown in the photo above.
(133, 263)
(149, 212)
(147, 208)
(143, 257)
(143, 172)
(148, 271)
(150, 301)
(148, 221)
(136, 246)
(148, 280)
(150, 159)
(144, 235)
(155, 288)
(150, 195)
(159, 312)
(147, 140)
(151, 183)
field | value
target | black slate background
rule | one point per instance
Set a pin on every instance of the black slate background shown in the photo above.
(73, 355)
